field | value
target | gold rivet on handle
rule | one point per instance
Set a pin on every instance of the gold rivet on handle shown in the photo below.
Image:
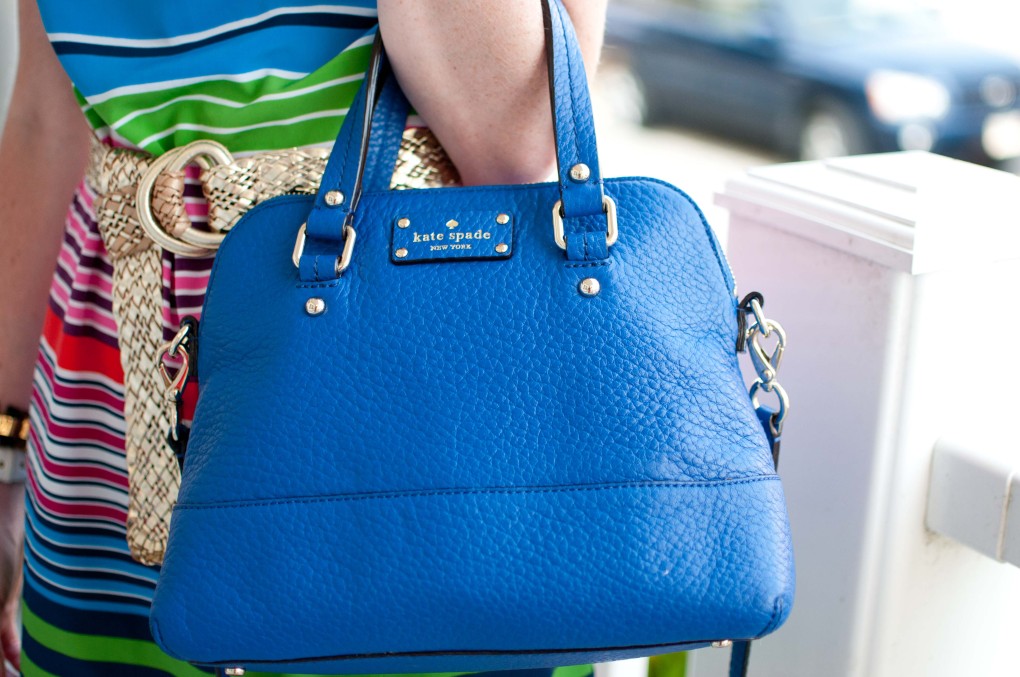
(589, 286)
(334, 198)
(401, 253)
(404, 223)
(502, 248)
(580, 172)
(502, 219)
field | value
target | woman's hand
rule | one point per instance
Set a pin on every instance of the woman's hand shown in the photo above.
(476, 73)
(12, 518)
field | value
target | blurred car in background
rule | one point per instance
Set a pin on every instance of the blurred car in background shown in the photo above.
(813, 78)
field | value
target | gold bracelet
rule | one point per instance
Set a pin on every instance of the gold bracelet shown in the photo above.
(14, 428)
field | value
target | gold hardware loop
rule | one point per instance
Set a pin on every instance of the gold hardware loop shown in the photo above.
(612, 230)
(342, 261)
(192, 242)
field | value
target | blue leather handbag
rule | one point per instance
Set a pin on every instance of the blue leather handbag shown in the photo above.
(474, 428)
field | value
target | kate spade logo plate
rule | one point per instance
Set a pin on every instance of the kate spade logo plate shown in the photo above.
(463, 235)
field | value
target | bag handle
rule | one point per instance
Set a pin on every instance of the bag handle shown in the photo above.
(388, 123)
(341, 186)
(577, 158)
(581, 212)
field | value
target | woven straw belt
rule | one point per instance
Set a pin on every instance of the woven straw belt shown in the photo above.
(140, 210)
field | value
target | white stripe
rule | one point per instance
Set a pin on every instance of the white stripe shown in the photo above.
(79, 449)
(277, 96)
(92, 289)
(78, 229)
(79, 491)
(58, 281)
(89, 321)
(228, 77)
(110, 137)
(83, 313)
(89, 243)
(65, 565)
(83, 413)
(77, 235)
(184, 82)
(187, 126)
(73, 450)
(212, 32)
(328, 145)
(191, 275)
(89, 547)
(78, 376)
(86, 323)
(111, 593)
(112, 527)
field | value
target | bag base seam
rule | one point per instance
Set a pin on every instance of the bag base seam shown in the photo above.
(385, 495)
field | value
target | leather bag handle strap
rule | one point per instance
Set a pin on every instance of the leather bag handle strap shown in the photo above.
(388, 122)
(576, 150)
(368, 142)
(341, 186)
(580, 189)
(360, 159)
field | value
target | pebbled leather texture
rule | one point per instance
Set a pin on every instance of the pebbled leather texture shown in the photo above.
(472, 456)
(469, 465)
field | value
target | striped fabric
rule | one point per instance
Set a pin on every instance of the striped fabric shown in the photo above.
(152, 75)
(252, 75)
(86, 601)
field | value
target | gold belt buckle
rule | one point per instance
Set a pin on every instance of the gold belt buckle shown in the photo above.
(191, 242)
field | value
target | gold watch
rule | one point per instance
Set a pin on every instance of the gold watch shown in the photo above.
(13, 440)
(14, 428)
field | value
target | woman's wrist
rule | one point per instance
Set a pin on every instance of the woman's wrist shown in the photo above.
(477, 75)
(12, 516)
(12, 536)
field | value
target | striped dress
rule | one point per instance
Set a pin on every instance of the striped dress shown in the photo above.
(253, 75)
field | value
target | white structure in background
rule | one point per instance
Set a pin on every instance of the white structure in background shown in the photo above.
(897, 279)
(634, 667)
(992, 23)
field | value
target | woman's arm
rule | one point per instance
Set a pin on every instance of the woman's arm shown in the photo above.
(42, 158)
(476, 73)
